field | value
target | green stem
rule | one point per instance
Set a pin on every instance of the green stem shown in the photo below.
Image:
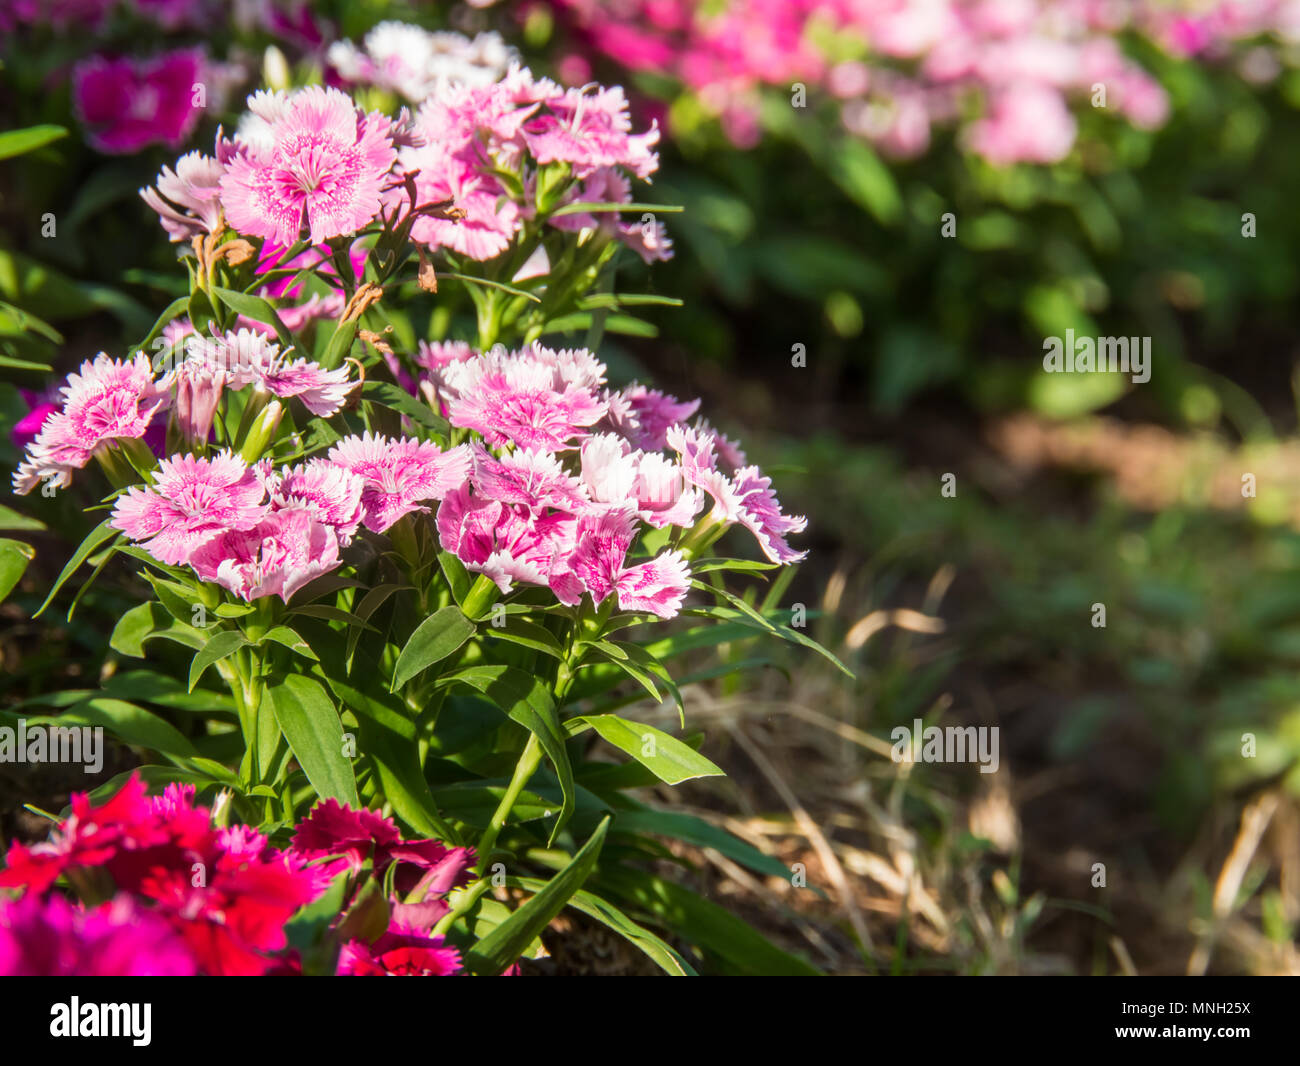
(524, 769)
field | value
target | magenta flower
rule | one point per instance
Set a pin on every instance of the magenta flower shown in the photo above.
(39, 407)
(400, 952)
(399, 475)
(108, 400)
(190, 502)
(288, 548)
(46, 936)
(127, 105)
(323, 166)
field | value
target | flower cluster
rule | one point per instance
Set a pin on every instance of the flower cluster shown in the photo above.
(422, 873)
(312, 164)
(111, 401)
(257, 532)
(900, 69)
(581, 467)
(183, 896)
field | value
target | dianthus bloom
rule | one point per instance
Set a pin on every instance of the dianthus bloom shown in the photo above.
(248, 357)
(536, 398)
(230, 922)
(745, 497)
(127, 105)
(191, 501)
(399, 475)
(50, 937)
(400, 952)
(276, 557)
(108, 400)
(319, 163)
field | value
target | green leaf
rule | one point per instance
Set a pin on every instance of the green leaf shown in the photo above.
(526, 700)
(388, 739)
(94, 539)
(456, 574)
(14, 557)
(743, 950)
(256, 308)
(177, 307)
(389, 395)
(126, 721)
(221, 645)
(669, 759)
(529, 634)
(611, 917)
(146, 621)
(437, 637)
(11, 520)
(746, 614)
(166, 691)
(19, 142)
(693, 830)
(290, 639)
(594, 208)
(470, 280)
(311, 725)
(501, 947)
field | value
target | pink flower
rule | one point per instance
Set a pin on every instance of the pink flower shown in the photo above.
(335, 829)
(614, 474)
(588, 128)
(746, 498)
(49, 937)
(127, 105)
(188, 199)
(250, 358)
(108, 400)
(534, 479)
(524, 398)
(400, 952)
(644, 415)
(323, 166)
(276, 557)
(1027, 122)
(596, 565)
(506, 543)
(760, 513)
(399, 475)
(491, 218)
(190, 502)
(658, 586)
(330, 492)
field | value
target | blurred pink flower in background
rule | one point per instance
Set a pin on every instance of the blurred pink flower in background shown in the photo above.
(126, 104)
